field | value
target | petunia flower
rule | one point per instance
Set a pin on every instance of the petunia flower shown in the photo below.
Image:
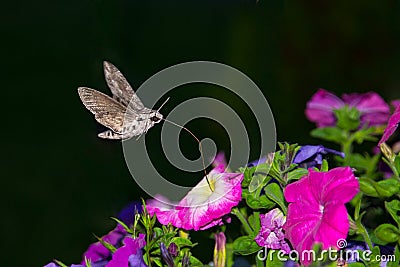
(96, 264)
(395, 103)
(310, 156)
(130, 254)
(165, 212)
(203, 207)
(96, 251)
(317, 211)
(271, 233)
(392, 125)
(220, 159)
(373, 109)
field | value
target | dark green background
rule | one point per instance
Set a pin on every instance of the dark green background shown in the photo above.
(60, 183)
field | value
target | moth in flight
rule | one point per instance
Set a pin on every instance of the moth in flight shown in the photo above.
(124, 114)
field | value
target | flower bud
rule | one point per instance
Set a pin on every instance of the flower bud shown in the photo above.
(219, 250)
(166, 255)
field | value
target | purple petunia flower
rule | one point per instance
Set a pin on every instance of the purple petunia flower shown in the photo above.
(374, 110)
(96, 264)
(392, 125)
(271, 234)
(97, 252)
(310, 156)
(130, 254)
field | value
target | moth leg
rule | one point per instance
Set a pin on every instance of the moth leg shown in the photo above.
(111, 135)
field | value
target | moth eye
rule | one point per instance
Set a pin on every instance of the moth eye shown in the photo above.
(154, 118)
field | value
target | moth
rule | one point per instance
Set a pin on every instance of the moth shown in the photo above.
(123, 113)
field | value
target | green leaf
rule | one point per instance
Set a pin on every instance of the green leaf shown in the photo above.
(262, 203)
(373, 258)
(297, 174)
(157, 261)
(356, 264)
(245, 245)
(123, 225)
(387, 233)
(332, 134)
(393, 207)
(383, 189)
(397, 163)
(195, 262)
(60, 263)
(256, 181)
(324, 166)
(254, 221)
(106, 244)
(182, 242)
(365, 134)
(274, 192)
(396, 256)
(273, 260)
(247, 176)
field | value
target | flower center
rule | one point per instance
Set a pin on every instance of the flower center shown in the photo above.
(321, 208)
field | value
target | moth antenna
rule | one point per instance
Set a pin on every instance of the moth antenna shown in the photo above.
(200, 147)
(158, 110)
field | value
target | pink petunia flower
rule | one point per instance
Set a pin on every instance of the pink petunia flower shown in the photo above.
(203, 207)
(166, 213)
(271, 234)
(392, 125)
(374, 110)
(317, 212)
(220, 159)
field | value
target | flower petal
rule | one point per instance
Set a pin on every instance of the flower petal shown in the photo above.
(320, 108)
(392, 125)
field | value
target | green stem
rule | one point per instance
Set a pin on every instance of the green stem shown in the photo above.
(366, 237)
(242, 219)
(390, 163)
(148, 230)
(347, 145)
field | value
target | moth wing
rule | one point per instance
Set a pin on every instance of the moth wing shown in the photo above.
(120, 88)
(107, 111)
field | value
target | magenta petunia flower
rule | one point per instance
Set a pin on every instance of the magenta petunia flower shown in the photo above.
(395, 103)
(271, 234)
(130, 254)
(203, 207)
(374, 110)
(392, 125)
(317, 212)
(97, 252)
